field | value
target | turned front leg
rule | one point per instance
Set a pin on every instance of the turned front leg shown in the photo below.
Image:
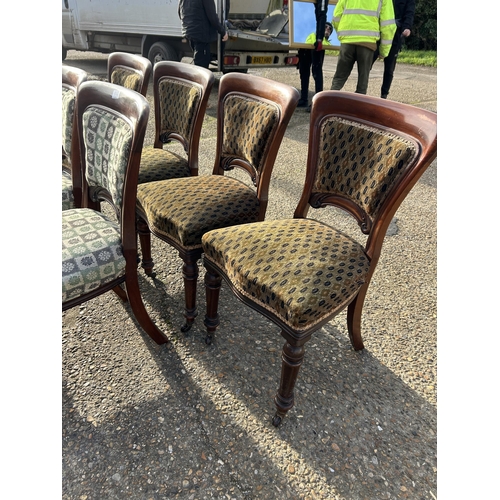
(190, 274)
(292, 358)
(145, 241)
(212, 288)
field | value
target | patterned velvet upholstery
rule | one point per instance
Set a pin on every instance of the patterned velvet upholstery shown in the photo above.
(178, 101)
(160, 164)
(360, 162)
(91, 252)
(107, 142)
(68, 200)
(248, 125)
(126, 77)
(178, 104)
(299, 269)
(214, 201)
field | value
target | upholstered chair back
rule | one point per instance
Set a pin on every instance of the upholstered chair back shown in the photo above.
(249, 122)
(107, 138)
(178, 103)
(130, 71)
(68, 112)
(127, 77)
(359, 162)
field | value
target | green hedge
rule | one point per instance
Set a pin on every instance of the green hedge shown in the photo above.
(424, 32)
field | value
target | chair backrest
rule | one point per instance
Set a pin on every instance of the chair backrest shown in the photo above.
(252, 115)
(112, 122)
(181, 93)
(130, 71)
(71, 80)
(365, 155)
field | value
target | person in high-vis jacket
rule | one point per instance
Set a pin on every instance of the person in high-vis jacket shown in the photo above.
(362, 26)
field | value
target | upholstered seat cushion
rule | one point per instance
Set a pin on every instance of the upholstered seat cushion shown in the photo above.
(300, 270)
(68, 200)
(185, 209)
(159, 164)
(91, 252)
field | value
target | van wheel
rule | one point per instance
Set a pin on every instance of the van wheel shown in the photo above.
(64, 53)
(160, 51)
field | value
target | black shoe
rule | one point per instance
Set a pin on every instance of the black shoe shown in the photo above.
(308, 109)
(383, 96)
(302, 103)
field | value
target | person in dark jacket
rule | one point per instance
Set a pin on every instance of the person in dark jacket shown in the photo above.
(404, 12)
(314, 57)
(200, 26)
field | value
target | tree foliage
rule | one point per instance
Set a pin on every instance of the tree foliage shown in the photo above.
(424, 32)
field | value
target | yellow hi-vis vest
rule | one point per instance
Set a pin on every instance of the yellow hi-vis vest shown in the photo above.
(358, 21)
(312, 38)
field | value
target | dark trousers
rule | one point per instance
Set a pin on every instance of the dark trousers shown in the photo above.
(201, 53)
(310, 59)
(350, 54)
(390, 63)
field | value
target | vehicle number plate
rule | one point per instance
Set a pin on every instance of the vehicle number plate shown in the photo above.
(262, 60)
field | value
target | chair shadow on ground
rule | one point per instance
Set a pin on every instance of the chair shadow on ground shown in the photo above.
(186, 415)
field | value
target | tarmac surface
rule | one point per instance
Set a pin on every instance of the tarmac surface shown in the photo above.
(191, 421)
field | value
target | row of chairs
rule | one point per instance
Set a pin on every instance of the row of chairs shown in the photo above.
(364, 156)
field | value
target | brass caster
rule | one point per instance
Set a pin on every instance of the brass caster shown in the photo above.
(277, 420)
(186, 327)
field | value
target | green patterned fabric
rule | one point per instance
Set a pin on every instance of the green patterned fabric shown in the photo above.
(108, 140)
(91, 252)
(360, 162)
(68, 200)
(248, 125)
(178, 103)
(298, 269)
(68, 111)
(126, 77)
(159, 164)
(185, 209)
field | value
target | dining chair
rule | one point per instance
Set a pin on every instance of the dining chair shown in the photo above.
(71, 183)
(364, 156)
(252, 115)
(180, 92)
(99, 253)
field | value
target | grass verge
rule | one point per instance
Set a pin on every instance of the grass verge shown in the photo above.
(416, 57)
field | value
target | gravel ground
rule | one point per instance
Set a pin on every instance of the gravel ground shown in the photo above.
(191, 421)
